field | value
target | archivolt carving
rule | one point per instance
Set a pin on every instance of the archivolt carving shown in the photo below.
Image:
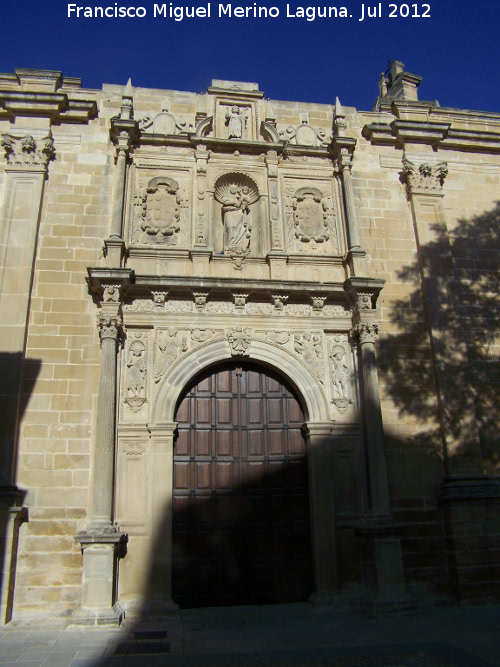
(216, 349)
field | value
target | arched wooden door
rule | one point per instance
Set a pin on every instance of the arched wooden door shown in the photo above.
(241, 532)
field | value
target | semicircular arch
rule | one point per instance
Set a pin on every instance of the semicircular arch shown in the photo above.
(274, 357)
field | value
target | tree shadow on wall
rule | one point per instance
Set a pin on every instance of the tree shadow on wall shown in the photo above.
(461, 271)
(17, 380)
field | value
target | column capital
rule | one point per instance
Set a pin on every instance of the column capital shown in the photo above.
(424, 179)
(366, 332)
(27, 153)
(110, 327)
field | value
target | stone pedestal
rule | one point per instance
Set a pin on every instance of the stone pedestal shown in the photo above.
(100, 558)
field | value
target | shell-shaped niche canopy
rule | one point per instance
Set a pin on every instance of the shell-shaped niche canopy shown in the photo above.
(227, 184)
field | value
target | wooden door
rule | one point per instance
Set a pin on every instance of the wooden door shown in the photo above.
(241, 531)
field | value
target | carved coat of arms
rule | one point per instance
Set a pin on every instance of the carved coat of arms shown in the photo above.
(162, 208)
(310, 215)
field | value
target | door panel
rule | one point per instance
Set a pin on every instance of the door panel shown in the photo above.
(241, 530)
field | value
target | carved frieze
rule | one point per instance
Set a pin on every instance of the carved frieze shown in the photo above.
(26, 152)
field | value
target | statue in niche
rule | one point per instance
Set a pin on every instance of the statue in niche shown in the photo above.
(236, 193)
(340, 371)
(234, 120)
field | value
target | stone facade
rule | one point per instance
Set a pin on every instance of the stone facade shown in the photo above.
(149, 235)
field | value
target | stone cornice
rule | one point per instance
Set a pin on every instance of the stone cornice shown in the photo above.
(437, 134)
(56, 106)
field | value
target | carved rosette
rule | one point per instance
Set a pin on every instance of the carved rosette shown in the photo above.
(424, 179)
(365, 332)
(27, 153)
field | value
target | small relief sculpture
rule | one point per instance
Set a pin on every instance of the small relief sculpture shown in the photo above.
(201, 335)
(235, 120)
(280, 337)
(239, 339)
(168, 347)
(136, 375)
(310, 347)
(236, 193)
(340, 376)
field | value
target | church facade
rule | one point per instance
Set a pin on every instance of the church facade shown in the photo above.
(249, 349)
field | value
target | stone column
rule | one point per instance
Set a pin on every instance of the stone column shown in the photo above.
(159, 594)
(356, 255)
(124, 130)
(379, 532)
(322, 509)
(102, 542)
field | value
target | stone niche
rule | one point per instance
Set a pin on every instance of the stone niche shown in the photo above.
(240, 221)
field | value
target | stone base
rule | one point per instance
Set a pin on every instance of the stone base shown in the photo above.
(98, 617)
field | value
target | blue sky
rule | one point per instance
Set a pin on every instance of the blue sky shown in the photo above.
(455, 50)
